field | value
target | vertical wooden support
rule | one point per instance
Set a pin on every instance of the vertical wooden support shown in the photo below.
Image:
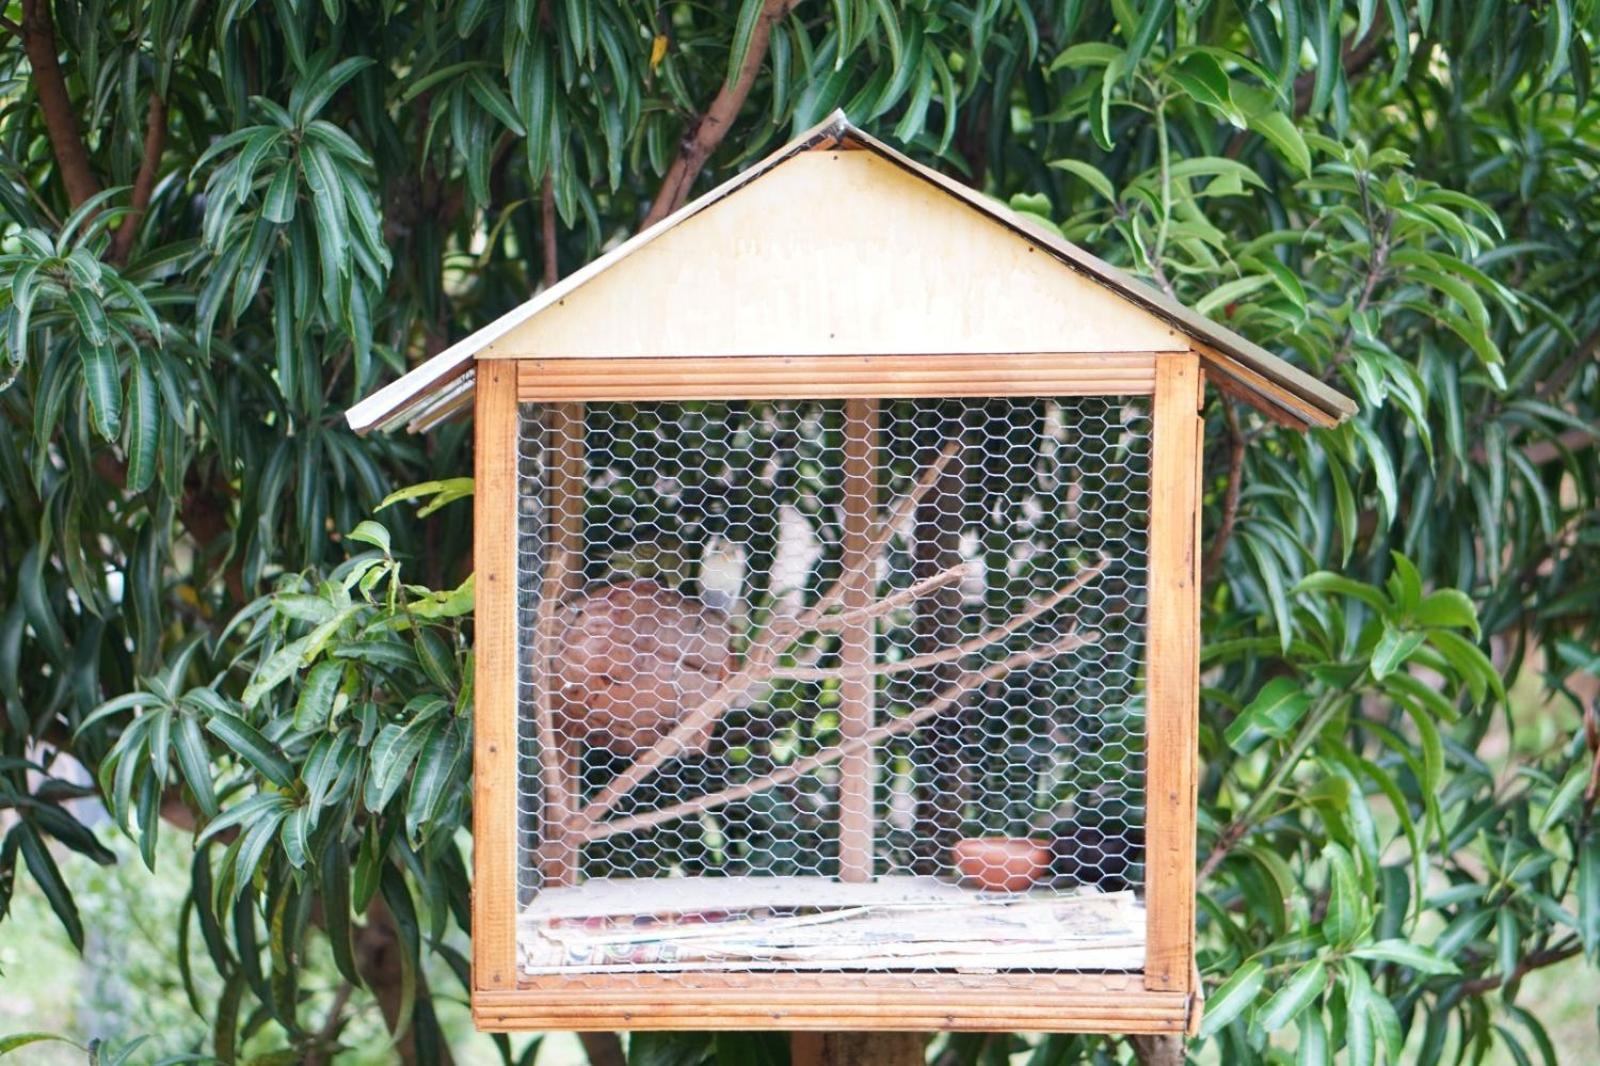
(1172, 674)
(858, 772)
(494, 800)
(561, 761)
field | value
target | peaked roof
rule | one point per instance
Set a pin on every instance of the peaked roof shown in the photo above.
(443, 386)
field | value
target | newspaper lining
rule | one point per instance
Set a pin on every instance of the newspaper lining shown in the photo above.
(817, 924)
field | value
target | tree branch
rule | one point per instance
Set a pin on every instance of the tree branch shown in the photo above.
(1587, 349)
(144, 183)
(1537, 961)
(60, 119)
(705, 134)
(1230, 498)
(1354, 56)
(547, 232)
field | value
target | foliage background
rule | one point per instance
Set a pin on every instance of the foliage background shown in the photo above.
(223, 223)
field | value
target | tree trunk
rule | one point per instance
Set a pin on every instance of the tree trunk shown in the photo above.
(1159, 1050)
(378, 951)
(857, 1049)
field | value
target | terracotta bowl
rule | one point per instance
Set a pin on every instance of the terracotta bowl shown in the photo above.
(1001, 864)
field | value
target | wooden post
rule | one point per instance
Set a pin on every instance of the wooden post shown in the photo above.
(858, 771)
(1172, 674)
(494, 801)
(561, 755)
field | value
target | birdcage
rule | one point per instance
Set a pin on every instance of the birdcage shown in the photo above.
(837, 599)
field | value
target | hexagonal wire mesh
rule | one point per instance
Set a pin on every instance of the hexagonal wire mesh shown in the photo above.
(832, 686)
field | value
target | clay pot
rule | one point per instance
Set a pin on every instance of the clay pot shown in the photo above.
(1001, 864)
(632, 659)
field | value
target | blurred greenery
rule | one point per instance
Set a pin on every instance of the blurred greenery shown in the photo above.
(220, 224)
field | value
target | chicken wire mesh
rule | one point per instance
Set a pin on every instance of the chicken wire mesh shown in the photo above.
(832, 686)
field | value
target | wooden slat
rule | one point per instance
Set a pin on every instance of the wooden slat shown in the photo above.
(1088, 1003)
(1260, 392)
(857, 771)
(838, 376)
(1172, 675)
(563, 575)
(494, 790)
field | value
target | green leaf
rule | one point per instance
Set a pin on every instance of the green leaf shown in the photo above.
(278, 668)
(314, 708)
(1589, 894)
(320, 89)
(436, 772)
(1343, 921)
(1295, 996)
(13, 1041)
(1405, 953)
(1470, 662)
(1090, 174)
(1323, 581)
(335, 882)
(144, 426)
(1273, 713)
(744, 29)
(48, 877)
(1313, 1048)
(1229, 292)
(102, 383)
(1280, 131)
(279, 202)
(1090, 54)
(1447, 607)
(253, 748)
(1359, 1038)
(1151, 21)
(370, 532)
(195, 762)
(1234, 995)
(1394, 649)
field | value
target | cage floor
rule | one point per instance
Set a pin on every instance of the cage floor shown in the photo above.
(706, 924)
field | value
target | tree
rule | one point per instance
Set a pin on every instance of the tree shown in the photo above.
(225, 223)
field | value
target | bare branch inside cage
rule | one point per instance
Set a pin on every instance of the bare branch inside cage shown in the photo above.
(952, 695)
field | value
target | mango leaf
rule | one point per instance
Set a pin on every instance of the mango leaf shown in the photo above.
(1405, 953)
(1394, 648)
(260, 753)
(1090, 174)
(1232, 997)
(1298, 993)
(1273, 713)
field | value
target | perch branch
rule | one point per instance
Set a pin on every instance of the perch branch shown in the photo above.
(967, 647)
(559, 798)
(892, 602)
(953, 694)
(759, 663)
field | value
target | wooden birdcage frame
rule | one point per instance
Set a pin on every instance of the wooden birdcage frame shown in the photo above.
(1079, 328)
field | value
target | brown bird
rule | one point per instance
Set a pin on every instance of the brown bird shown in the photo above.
(632, 658)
